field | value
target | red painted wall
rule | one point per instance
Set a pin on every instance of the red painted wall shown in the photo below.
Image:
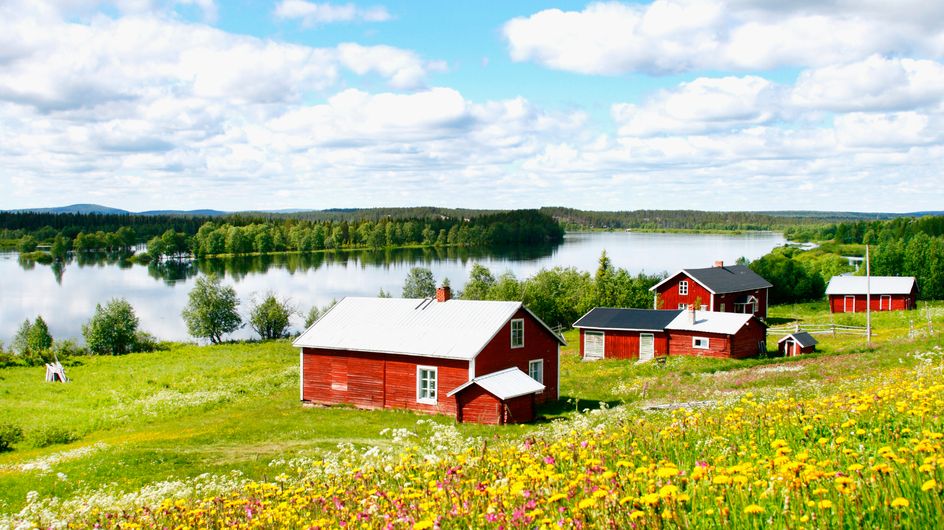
(743, 344)
(900, 302)
(729, 299)
(624, 344)
(538, 344)
(373, 380)
(478, 406)
(519, 409)
(669, 297)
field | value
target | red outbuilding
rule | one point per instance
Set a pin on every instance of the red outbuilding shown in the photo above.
(647, 333)
(797, 343)
(721, 289)
(431, 355)
(848, 294)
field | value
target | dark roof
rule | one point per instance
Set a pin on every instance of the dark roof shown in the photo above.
(804, 339)
(728, 279)
(635, 319)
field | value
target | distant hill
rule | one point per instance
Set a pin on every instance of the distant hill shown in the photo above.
(77, 208)
(198, 213)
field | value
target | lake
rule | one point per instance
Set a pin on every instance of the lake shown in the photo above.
(66, 295)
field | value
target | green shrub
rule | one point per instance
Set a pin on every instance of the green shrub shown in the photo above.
(9, 435)
(52, 435)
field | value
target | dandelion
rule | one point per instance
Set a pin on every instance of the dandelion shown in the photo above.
(900, 503)
(753, 509)
(929, 485)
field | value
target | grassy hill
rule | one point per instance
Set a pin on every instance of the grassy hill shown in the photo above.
(224, 422)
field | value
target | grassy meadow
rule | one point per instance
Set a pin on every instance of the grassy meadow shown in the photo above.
(194, 424)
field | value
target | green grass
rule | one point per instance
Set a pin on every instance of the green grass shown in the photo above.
(177, 414)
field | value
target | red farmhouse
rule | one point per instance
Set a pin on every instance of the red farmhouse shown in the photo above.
(731, 289)
(647, 333)
(481, 361)
(847, 294)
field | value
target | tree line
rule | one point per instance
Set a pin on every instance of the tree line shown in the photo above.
(573, 219)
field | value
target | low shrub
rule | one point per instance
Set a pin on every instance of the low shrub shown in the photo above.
(52, 435)
(9, 435)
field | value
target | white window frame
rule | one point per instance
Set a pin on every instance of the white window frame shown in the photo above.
(536, 365)
(519, 321)
(683, 306)
(419, 373)
(683, 288)
(696, 340)
(845, 303)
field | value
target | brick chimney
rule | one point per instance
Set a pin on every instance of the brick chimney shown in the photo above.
(443, 293)
(719, 263)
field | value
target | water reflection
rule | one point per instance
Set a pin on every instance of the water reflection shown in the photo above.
(158, 291)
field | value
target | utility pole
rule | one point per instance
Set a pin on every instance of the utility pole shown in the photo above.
(868, 300)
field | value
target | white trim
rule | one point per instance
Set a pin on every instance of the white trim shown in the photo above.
(846, 299)
(435, 399)
(887, 307)
(536, 362)
(682, 283)
(557, 388)
(690, 277)
(682, 307)
(472, 369)
(301, 374)
(695, 341)
(512, 329)
(602, 335)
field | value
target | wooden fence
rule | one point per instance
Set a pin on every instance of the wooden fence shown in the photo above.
(819, 329)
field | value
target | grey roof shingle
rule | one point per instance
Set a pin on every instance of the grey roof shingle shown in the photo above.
(635, 319)
(802, 338)
(729, 279)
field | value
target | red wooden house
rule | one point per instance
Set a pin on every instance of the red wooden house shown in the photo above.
(723, 289)
(417, 353)
(646, 333)
(848, 294)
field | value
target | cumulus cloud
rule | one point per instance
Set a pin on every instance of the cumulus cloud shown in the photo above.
(684, 35)
(312, 13)
(702, 105)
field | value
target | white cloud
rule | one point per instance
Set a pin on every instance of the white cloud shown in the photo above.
(683, 35)
(877, 83)
(312, 13)
(403, 68)
(704, 104)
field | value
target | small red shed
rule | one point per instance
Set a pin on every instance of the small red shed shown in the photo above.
(410, 352)
(797, 343)
(848, 294)
(507, 396)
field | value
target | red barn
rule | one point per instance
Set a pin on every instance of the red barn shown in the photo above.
(847, 294)
(646, 333)
(413, 353)
(731, 289)
(611, 333)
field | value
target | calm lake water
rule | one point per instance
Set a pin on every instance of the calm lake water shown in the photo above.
(66, 295)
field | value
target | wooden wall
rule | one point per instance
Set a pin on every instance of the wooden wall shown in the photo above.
(624, 344)
(538, 344)
(900, 302)
(373, 380)
(669, 297)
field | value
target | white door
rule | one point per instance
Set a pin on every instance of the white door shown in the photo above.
(647, 346)
(593, 344)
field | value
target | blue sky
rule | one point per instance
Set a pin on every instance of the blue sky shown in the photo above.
(695, 104)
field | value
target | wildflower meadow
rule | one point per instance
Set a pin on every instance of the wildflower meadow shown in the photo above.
(863, 451)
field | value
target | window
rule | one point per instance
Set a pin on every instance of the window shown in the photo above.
(426, 385)
(517, 333)
(700, 343)
(683, 306)
(722, 307)
(683, 287)
(536, 370)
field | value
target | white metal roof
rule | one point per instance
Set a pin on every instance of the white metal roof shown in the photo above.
(505, 384)
(455, 329)
(878, 285)
(710, 322)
